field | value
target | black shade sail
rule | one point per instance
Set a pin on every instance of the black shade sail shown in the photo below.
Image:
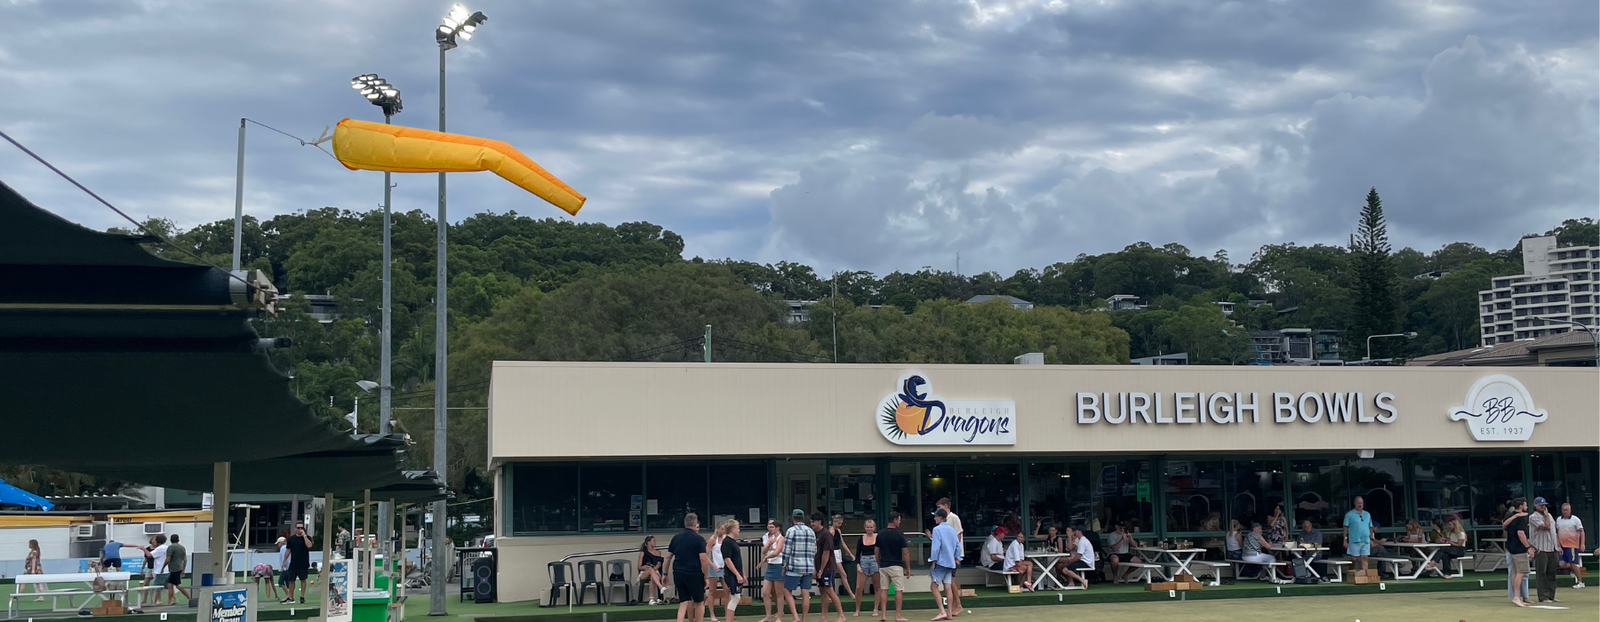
(117, 363)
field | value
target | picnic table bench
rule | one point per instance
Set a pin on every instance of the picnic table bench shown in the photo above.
(1269, 569)
(113, 581)
(1337, 566)
(990, 574)
(1130, 570)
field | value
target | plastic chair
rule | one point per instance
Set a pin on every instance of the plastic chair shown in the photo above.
(589, 573)
(619, 572)
(560, 579)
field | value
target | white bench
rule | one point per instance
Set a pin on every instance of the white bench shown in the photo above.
(1213, 568)
(1394, 563)
(1461, 566)
(113, 579)
(1337, 565)
(1130, 570)
(990, 573)
(1269, 570)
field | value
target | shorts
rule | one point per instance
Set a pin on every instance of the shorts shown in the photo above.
(997, 566)
(691, 586)
(825, 580)
(115, 562)
(716, 573)
(1570, 555)
(941, 575)
(896, 575)
(774, 572)
(1520, 563)
(1079, 565)
(731, 584)
(867, 565)
(1358, 549)
(295, 573)
(175, 577)
(792, 582)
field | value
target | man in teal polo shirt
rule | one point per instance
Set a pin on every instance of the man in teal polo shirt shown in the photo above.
(1358, 534)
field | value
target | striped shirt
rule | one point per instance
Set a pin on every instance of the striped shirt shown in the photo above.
(1542, 533)
(799, 551)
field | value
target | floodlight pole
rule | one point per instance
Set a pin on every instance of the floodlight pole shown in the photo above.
(238, 200)
(436, 591)
(385, 404)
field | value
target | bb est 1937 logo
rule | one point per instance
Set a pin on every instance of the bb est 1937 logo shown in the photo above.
(1499, 408)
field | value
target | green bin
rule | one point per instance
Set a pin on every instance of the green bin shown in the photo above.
(369, 606)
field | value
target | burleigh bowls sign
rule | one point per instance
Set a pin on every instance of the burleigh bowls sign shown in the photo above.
(1499, 408)
(915, 416)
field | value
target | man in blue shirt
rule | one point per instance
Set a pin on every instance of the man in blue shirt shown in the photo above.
(945, 556)
(111, 555)
(1358, 534)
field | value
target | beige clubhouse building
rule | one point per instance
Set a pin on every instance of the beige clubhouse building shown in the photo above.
(592, 457)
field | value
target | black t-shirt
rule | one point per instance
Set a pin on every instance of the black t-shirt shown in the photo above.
(824, 548)
(891, 543)
(686, 548)
(730, 555)
(299, 552)
(1514, 544)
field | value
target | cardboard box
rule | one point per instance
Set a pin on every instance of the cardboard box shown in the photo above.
(969, 593)
(1362, 579)
(1372, 573)
(1160, 587)
(1184, 577)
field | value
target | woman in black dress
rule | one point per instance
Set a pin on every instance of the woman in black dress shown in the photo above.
(650, 569)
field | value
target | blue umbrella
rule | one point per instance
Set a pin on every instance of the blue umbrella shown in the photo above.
(16, 496)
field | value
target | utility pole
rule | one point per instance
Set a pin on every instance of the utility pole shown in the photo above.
(707, 346)
(238, 200)
(835, 314)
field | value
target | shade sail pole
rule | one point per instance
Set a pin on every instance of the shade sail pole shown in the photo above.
(327, 554)
(221, 476)
(371, 534)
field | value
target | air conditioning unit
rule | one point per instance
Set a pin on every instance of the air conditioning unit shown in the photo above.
(92, 531)
(151, 529)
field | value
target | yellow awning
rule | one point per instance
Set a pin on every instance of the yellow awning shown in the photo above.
(180, 516)
(41, 520)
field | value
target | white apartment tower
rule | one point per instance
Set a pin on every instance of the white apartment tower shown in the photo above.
(1556, 282)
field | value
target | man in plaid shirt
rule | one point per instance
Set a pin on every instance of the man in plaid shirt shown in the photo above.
(799, 564)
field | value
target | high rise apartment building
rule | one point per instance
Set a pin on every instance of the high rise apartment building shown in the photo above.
(1557, 283)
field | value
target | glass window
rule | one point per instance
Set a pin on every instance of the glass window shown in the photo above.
(1194, 495)
(1254, 488)
(1381, 482)
(1121, 494)
(675, 489)
(1058, 494)
(1495, 482)
(1312, 485)
(610, 493)
(544, 497)
(737, 488)
(1547, 481)
(988, 495)
(852, 493)
(938, 481)
(1579, 478)
(1442, 489)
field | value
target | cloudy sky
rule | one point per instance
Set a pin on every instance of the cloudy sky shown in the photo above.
(873, 135)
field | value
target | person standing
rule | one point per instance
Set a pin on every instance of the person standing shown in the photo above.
(1546, 548)
(343, 541)
(961, 533)
(732, 575)
(686, 554)
(34, 564)
(867, 567)
(714, 571)
(111, 555)
(826, 578)
(1358, 531)
(1519, 548)
(799, 564)
(772, 575)
(1569, 534)
(893, 553)
(158, 564)
(944, 557)
(299, 566)
(177, 562)
(838, 557)
(1277, 529)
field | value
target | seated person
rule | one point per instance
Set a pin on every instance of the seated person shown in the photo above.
(1081, 558)
(1016, 560)
(1121, 544)
(1256, 547)
(1310, 535)
(994, 551)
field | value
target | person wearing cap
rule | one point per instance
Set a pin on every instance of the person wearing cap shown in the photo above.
(944, 556)
(994, 549)
(961, 533)
(1080, 556)
(799, 564)
(1542, 534)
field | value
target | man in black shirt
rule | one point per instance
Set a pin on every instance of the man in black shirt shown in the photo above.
(299, 562)
(893, 551)
(1518, 546)
(686, 555)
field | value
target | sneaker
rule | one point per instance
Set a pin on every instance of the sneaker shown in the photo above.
(287, 601)
(1578, 585)
(302, 600)
(82, 613)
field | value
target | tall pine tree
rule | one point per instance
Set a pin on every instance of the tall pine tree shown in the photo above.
(1377, 307)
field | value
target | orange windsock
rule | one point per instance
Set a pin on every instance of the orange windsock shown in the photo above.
(380, 147)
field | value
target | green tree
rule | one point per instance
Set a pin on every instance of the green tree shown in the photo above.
(1377, 308)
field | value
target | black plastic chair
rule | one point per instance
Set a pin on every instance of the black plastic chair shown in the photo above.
(589, 574)
(560, 579)
(619, 572)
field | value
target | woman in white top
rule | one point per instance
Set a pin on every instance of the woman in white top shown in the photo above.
(1234, 540)
(714, 575)
(772, 577)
